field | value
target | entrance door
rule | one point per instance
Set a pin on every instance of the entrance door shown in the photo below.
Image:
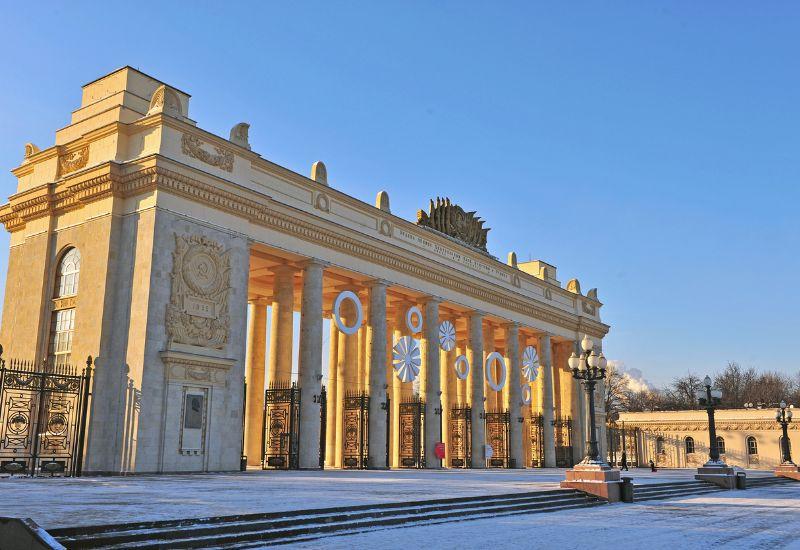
(537, 440)
(497, 424)
(412, 417)
(460, 436)
(281, 427)
(356, 431)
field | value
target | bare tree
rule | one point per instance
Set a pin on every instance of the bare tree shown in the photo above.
(682, 393)
(615, 387)
(735, 384)
(769, 388)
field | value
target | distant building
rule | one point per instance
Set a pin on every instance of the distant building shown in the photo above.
(749, 438)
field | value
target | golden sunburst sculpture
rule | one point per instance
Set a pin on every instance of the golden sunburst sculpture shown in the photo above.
(454, 221)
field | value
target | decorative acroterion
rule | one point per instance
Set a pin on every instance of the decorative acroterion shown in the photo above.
(530, 363)
(337, 317)
(461, 366)
(491, 359)
(453, 221)
(414, 319)
(447, 336)
(406, 359)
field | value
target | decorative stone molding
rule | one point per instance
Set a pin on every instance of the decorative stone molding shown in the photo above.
(194, 147)
(240, 135)
(319, 173)
(166, 100)
(452, 220)
(193, 369)
(74, 160)
(30, 150)
(43, 203)
(64, 303)
(322, 202)
(588, 307)
(198, 310)
(574, 286)
(382, 201)
(385, 228)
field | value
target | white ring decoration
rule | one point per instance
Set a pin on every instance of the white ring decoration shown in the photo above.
(414, 327)
(447, 336)
(527, 393)
(530, 364)
(353, 297)
(461, 360)
(406, 359)
(496, 385)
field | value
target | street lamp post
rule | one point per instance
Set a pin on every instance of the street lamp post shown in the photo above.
(589, 367)
(784, 415)
(712, 429)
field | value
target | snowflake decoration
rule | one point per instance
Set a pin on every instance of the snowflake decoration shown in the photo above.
(447, 336)
(406, 359)
(530, 364)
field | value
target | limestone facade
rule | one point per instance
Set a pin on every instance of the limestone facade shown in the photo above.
(194, 246)
(679, 439)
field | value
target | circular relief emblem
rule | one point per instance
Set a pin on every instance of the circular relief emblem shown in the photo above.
(57, 424)
(18, 423)
(200, 272)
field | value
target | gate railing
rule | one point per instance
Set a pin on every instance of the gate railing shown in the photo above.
(281, 427)
(43, 409)
(497, 427)
(460, 436)
(562, 430)
(536, 427)
(411, 424)
(355, 450)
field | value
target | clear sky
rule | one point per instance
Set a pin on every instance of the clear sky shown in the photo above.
(650, 149)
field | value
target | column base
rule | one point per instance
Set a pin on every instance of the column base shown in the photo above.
(595, 478)
(718, 473)
(789, 470)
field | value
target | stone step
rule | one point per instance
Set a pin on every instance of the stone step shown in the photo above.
(676, 494)
(226, 530)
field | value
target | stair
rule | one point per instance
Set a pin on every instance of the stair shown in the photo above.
(660, 491)
(242, 531)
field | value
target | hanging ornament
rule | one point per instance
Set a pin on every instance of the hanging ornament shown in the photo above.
(447, 336)
(530, 364)
(337, 305)
(406, 359)
(527, 393)
(461, 366)
(414, 319)
(491, 359)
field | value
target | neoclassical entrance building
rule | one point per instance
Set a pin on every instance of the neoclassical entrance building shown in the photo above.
(236, 308)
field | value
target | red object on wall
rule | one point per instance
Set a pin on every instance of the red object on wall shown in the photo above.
(439, 450)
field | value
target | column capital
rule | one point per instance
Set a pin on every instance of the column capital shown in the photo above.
(377, 282)
(309, 262)
(476, 313)
(260, 301)
(283, 270)
(430, 300)
(512, 324)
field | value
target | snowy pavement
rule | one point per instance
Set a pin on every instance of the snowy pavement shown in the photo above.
(765, 518)
(64, 502)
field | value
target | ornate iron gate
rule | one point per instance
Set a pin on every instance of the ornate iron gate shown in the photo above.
(412, 419)
(460, 443)
(323, 423)
(356, 436)
(619, 440)
(281, 427)
(497, 425)
(562, 428)
(42, 417)
(536, 427)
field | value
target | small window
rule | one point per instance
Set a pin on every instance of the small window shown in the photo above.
(660, 445)
(720, 445)
(689, 445)
(752, 446)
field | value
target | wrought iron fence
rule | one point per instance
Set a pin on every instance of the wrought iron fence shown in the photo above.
(621, 439)
(355, 450)
(281, 427)
(562, 431)
(497, 426)
(460, 436)
(43, 410)
(323, 424)
(412, 429)
(536, 427)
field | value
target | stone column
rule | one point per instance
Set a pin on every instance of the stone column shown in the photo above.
(256, 356)
(514, 399)
(546, 365)
(377, 375)
(280, 342)
(475, 358)
(332, 395)
(347, 377)
(448, 394)
(432, 384)
(394, 398)
(310, 364)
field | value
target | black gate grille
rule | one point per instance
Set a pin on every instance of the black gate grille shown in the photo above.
(412, 421)
(460, 436)
(42, 417)
(536, 427)
(497, 425)
(562, 430)
(356, 436)
(323, 420)
(281, 427)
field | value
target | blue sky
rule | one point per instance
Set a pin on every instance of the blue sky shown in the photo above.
(650, 149)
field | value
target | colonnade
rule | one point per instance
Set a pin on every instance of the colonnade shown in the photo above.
(360, 360)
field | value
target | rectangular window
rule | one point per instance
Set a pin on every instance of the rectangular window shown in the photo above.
(62, 328)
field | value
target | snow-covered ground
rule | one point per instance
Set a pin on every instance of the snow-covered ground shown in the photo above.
(65, 502)
(766, 518)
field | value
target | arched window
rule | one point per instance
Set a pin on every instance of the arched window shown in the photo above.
(720, 445)
(689, 442)
(752, 446)
(62, 323)
(659, 445)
